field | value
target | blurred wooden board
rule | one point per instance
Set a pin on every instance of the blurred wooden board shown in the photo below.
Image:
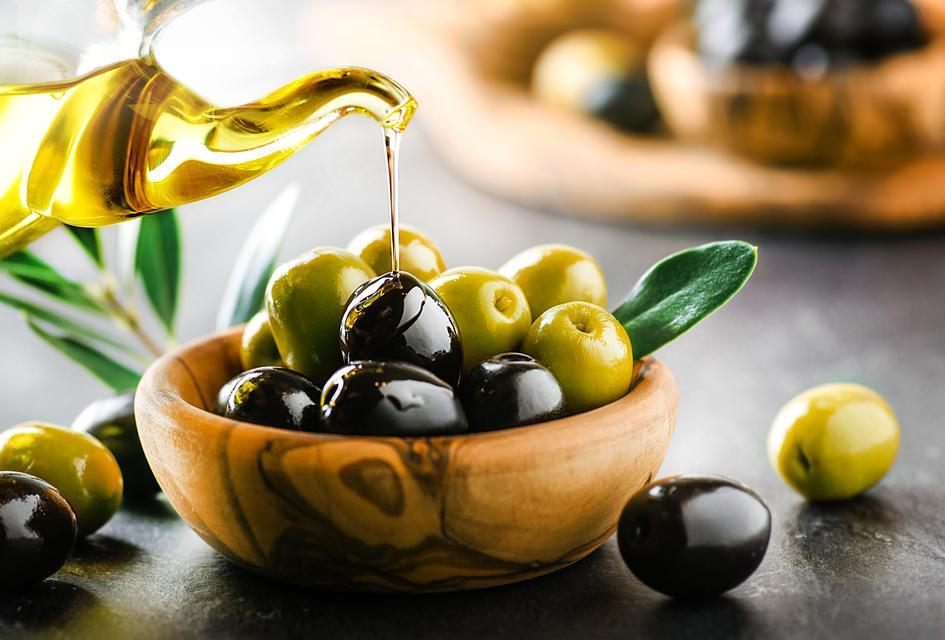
(504, 142)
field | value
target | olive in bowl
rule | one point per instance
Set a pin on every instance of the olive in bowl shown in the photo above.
(390, 399)
(274, 397)
(694, 536)
(397, 317)
(510, 390)
(37, 529)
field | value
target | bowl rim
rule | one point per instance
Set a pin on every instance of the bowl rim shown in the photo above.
(154, 390)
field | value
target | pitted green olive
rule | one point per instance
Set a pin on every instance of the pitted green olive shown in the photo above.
(305, 300)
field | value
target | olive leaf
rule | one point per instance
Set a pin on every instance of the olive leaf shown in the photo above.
(158, 261)
(49, 316)
(246, 289)
(29, 270)
(127, 248)
(114, 374)
(681, 290)
(90, 242)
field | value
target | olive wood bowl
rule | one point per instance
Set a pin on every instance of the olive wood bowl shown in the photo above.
(483, 121)
(396, 514)
(870, 116)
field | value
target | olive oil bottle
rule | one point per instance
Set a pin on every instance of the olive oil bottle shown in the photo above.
(128, 139)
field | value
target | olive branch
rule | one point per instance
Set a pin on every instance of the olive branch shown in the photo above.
(97, 323)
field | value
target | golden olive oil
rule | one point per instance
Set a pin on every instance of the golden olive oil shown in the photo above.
(129, 139)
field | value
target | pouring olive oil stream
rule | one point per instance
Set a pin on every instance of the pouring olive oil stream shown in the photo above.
(128, 139)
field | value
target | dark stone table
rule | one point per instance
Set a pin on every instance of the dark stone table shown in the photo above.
(869, 310)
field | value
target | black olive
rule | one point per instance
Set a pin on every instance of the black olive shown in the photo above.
(627, 103)
(275, 397)
(390, 399)
(694, 536)
(510, 390)
(840, 32)
(37, 529)
(112, 421)
(397, 317)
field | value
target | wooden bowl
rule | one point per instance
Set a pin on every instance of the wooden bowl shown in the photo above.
(396, 514)
(869, 116)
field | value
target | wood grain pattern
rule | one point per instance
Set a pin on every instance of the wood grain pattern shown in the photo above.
(394, 514)
(866, 117)
(495, 135)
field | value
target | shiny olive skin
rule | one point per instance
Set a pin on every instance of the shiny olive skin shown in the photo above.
(305, 300)
(490, 310)
(37, 529)
(397, 317)
(833, 442)
(694, 536)
(83, 470)
(112, 422)
(274, 397)
(510, 390)
(418, 254)
(374, 398)
(553, 274)
(258, 345)
(587, 350)
(818, 34)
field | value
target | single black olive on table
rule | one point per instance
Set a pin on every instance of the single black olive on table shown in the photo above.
(37, 529)
(510, 390)
(112, 421)
(397, 317)
(390, 399)
(694, 536)
(274, 397)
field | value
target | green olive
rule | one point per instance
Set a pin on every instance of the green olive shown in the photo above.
(112, 422)
(587, 350)
(834, 442)
(570, 67)
(305, 300)
(418, 255)
(554, 274)
(258, 346)
(82, 468)
(490, 310)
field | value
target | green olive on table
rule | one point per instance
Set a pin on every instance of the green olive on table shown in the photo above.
(83, 470)
(37, 529)
(112, 422)
(490, 310)
(833, 442)
(554, 274)
(418, 255)
(586, 349)
(258, 345)
(305, 300)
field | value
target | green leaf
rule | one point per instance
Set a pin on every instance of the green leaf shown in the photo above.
(89, 240)
(127, 249)
(681, 290)
(31, 271)
(112, 373)
(244, 294)
(158, 260)
(56, 319)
